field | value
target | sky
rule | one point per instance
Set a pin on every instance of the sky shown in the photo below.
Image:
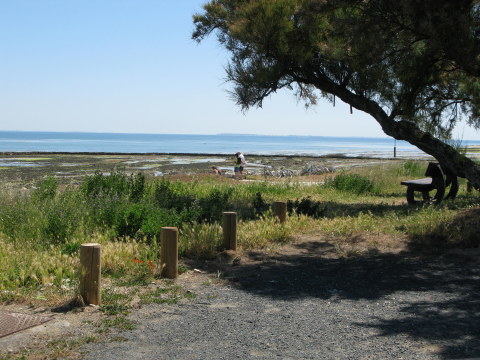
(130, 66)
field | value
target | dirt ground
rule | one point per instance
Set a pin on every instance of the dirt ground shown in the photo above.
(309, 267)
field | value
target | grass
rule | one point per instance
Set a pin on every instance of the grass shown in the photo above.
(41, 229)
(166, 295)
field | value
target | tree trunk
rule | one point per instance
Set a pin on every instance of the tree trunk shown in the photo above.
(448, 157)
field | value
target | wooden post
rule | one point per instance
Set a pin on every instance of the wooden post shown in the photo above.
(169, 252)
(230, 230)
(280, 210)
(90, 273)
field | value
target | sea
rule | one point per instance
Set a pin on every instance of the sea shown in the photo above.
(85, 142)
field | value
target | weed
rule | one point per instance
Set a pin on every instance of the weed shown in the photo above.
(166, 295)
(353, 183)
(114, 303)
(200, 240)
(119, 322)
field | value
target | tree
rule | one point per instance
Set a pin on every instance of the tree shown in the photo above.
(412, 65)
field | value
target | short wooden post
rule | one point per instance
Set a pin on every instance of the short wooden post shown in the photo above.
(90, 273)
(169, 252)
(280, 210)
(230, 230)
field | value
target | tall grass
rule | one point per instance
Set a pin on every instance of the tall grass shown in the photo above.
(41, 230)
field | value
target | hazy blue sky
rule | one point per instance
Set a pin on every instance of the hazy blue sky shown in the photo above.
(131, 66)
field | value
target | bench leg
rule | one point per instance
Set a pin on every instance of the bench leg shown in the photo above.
(410, 195)
(440, 194)
(426, 196)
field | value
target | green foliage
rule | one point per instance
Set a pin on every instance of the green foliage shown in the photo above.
(116, 185)
(40, 235)
(47, 189)
(411, 168)
(115, 303)
(352, 183)
(172, 195)
(119, 322)
(214, 204)
(130, 219)
(259, 205)
(138, 220)
(166, 295)
(307, 206)
(59, 224)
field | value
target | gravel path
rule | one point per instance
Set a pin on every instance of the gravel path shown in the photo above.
(307, 305)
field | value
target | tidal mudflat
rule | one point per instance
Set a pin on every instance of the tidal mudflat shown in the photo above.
(26, 169)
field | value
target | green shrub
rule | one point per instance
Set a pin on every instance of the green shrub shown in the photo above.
(47, 189)
(259, 205)
(307, 206)
(144, 220)
(60, 218)
(16, 218)
(351, 183)
(170, 195)
(115, 185)
(130, 219)
(59, 224)
(213, 205)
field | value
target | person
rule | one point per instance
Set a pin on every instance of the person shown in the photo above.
(239, 165)
(216, 170)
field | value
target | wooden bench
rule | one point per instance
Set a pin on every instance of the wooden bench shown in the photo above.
(438, 180)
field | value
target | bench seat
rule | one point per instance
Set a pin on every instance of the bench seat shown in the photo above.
(419, 184)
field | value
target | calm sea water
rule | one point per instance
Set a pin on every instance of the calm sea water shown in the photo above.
(17, 141)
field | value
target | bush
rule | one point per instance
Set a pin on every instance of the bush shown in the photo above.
(115, 185)
(144, 220)
(130, 219)
(260, 206)
(47, 189)
(60, 218)
(213, 205)
(170, 195)
(307, 206)
(351, 183)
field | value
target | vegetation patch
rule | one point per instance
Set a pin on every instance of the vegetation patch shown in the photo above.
(41, 229)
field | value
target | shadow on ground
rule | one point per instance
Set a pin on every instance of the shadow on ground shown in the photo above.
(440, 296)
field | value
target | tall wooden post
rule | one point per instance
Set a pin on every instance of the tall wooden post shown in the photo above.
(90, 273)
(280, 210)
(169, 252)
(230, 230)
